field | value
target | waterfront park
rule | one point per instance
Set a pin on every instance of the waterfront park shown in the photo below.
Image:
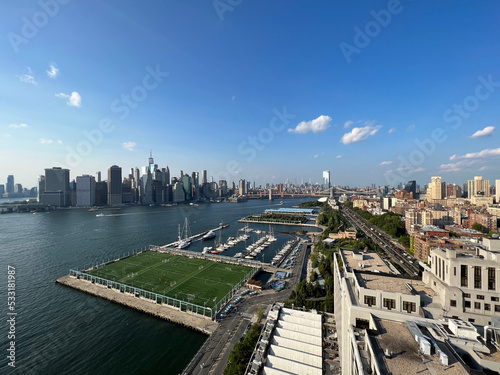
(175, 280)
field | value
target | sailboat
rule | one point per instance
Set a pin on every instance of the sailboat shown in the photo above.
(186, 241)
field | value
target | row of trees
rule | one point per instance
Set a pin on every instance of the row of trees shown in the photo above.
(242, 351)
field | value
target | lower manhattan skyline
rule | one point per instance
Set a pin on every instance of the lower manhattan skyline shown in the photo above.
(372, 113)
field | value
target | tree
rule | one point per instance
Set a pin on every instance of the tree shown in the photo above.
(480, 228)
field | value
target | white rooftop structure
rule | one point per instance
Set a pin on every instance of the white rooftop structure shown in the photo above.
(295, 344)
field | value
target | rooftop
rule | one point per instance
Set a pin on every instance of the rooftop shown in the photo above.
(392, 284)
(371, 261)
(405, 358)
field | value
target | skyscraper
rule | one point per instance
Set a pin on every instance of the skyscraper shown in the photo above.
(114, 185)
(242, 187)
(326, 180)
(57, 191)
(411, 187)
(85, 191)
(497, 191)
(478, 186)
(204, 177)
(437, 188)
(10, 184)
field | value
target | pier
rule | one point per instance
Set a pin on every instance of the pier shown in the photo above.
(198, 236)
(194, 321)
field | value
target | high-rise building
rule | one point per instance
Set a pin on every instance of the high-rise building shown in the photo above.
(497, 191)
(204, 177)
(10, 184)
(186, 184)
(242, 187)
(437, 188)
(2, 190)
(411, 187)
(85, 191)
(114, 185)
(478, 186)
(167, 176)
(98, 177)
(326, 180)
(57, 191)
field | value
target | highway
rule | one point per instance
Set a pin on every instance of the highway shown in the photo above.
(394, 250)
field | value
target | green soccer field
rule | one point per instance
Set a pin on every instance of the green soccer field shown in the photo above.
(201, 282)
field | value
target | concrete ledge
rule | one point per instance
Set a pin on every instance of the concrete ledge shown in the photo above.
(186, 319)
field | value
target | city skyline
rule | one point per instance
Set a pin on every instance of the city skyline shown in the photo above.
(373, 92)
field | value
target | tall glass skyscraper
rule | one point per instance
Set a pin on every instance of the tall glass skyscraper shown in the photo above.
(326, 180)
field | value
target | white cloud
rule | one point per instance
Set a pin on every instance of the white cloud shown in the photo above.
(486, 132)
(317, 125)
(44, 141)
(28, 78)
(53, 71)
(5, 135)
(74, 100)
(130, 146)
(488, 153)
(339, 156)
(234, 97)
(348, 124)
(484, 168)
(386, 163)
(411, 128)
(391, 130)
(419, 169)
(359, 134)
(451, 167)
(18, 126)
(316, 156)
(60, 142)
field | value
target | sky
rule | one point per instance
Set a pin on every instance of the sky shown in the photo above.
(374, 91)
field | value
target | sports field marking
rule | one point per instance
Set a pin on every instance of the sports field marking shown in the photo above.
(190, 276)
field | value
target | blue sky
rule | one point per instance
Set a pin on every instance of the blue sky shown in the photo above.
(260, 90)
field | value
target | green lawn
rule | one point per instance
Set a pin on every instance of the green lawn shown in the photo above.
(193, 280)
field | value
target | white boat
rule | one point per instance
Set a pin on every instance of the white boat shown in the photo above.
(100, 215)
(207, 249)
(184, 243)
(209, 235)
(238, 255)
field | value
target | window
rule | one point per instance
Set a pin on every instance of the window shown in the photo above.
(480, 296)
(497, 308)
(486, 307)
(370, 300)
(477, 277)
(463, 276)
(494, 299)
(467, 304)
(477, 305)
(454, 271)
(471, 320)
(491, 278)
(389, 303)
(466, 295)
(410, 306)
(453, 303)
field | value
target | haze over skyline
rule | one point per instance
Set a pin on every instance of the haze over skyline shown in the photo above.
(273, 91)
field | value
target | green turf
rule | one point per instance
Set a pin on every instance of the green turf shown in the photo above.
(193, 280)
